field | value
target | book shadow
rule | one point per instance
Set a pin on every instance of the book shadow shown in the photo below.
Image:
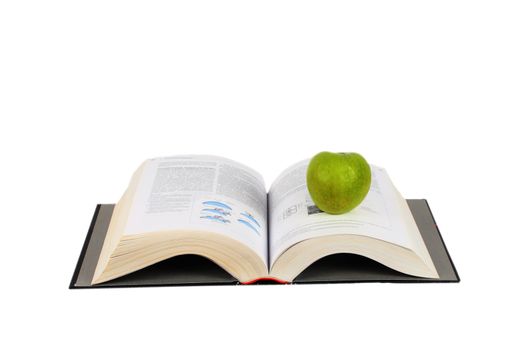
(197, 270)
(180, 270)
(347, 268)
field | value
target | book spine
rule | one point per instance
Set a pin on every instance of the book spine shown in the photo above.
(266, 279)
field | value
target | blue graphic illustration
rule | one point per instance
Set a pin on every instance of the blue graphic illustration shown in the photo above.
(215, 211)
(219, 211)
(217, 218)
(250, 217)
(249, 225)
(217, 204)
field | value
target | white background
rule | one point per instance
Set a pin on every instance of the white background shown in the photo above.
(432, 91)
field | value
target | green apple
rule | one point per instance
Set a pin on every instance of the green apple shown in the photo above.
(338, 182)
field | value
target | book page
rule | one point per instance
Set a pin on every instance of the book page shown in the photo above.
(204, 193)
(294, 217)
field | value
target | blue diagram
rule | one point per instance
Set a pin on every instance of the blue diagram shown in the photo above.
(248, 224)
(218, 211)
(216, 218)
(215, 211)
(217, 204)
(250, 217)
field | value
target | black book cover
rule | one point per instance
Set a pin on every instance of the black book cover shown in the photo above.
(196, 270)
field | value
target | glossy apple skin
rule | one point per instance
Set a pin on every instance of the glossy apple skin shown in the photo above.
(338, 182)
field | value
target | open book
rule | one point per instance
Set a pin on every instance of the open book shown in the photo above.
(217, 208)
